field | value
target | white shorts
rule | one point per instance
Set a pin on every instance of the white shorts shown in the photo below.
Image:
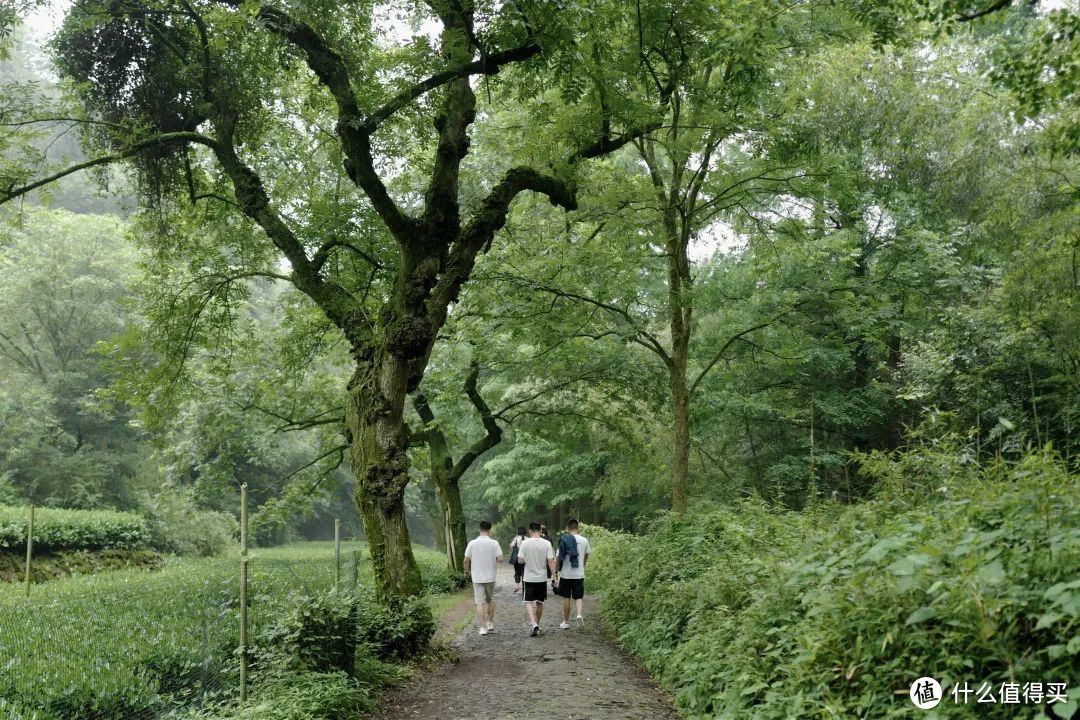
(484, 592)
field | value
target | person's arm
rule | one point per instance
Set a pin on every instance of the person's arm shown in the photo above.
(468, 564)
(499, 557)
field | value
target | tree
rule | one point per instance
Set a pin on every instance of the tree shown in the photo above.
(67, 283)
(226, 102)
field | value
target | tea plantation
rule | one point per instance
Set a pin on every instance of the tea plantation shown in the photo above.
(134, 644)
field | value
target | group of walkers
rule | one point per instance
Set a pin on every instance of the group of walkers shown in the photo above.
(536, 561)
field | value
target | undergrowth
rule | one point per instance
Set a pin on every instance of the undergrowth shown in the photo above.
(963, 573)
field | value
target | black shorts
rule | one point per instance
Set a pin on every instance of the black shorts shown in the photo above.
(535, 591)
(572, 588)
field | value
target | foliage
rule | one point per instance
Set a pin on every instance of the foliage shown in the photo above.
(59, 564)
(308, 695)
(972, 577)
(67, 281)
(58, 529)
(179, 527)
(130, 644)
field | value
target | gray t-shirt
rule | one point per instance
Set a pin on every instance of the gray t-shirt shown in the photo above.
(536, 551)
(570, 572)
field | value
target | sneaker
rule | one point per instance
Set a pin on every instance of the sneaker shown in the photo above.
(491, 627)
(535, 631)
(483, 631)
(581, 620)
(564, 626)
(539, 630)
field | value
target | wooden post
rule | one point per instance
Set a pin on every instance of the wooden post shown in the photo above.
(29, 548)
(243, 592)
(813, 464)
(337, 551)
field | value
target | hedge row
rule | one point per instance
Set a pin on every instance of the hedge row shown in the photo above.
(56, 529)
(756, 613)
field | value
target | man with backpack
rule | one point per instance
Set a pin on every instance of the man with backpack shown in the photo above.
(573, 554)
(481, 559)
(517, 562)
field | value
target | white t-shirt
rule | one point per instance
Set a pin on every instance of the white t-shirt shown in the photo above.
(483, 553)
(536, 551)
(576, 573)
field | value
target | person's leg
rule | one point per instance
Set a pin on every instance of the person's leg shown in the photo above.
(539, 611)
(566, 609)
(491, 613)
(580, 603)
(530, 610)
(480, 595)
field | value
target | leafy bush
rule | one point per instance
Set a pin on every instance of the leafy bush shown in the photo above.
(441, 579)
(396, 633)
(310, 695)
(181, 528)
(56, 529)
(751, 612)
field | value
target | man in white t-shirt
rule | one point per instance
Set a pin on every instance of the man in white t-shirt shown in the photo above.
(539, 558)
(571, 568)
(482, 556)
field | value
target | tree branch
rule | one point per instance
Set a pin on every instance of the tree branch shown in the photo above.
(355, 136)
(989, 9)
(489, 65)
(11, 192)
(493, 435)
(485, 222)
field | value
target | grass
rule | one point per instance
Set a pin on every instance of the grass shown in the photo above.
(131, 643)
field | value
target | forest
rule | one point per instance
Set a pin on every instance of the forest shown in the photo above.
(779, 298)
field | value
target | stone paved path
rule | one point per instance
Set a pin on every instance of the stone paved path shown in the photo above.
(564, 674)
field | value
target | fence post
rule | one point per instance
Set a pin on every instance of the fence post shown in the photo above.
(243, 592)
(337, 551)
(29, 548)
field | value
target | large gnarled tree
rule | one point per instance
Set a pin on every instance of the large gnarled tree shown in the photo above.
(227, 103)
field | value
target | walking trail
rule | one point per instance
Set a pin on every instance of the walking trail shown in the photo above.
(576, 673)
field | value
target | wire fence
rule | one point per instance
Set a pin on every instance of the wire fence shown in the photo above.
(138, 645)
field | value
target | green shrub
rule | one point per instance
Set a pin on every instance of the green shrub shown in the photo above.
(178, 526)
(396, 633)
(442, 579)
(57, 529)
(749, 612)
(309, 696)
(315, 632)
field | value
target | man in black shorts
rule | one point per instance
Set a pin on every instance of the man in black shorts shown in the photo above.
(573, 554)
(539, 559)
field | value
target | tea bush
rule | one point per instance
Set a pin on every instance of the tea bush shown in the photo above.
(752, 612)
(131, 645)
(57, 529)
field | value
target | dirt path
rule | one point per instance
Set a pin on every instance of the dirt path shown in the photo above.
(507, 675)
